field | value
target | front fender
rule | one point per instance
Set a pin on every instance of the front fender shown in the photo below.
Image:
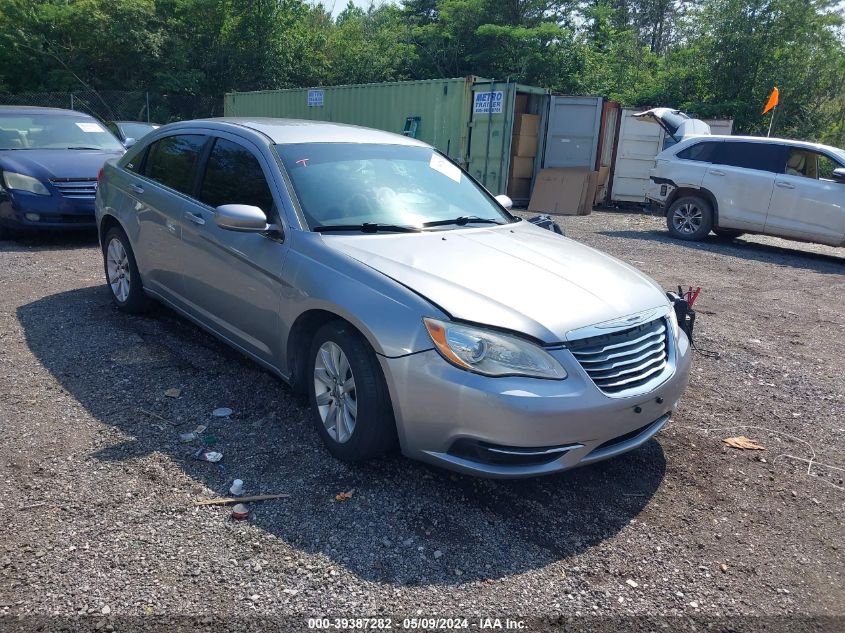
(388, 314)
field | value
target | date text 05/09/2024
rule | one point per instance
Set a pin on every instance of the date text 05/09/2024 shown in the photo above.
(416, 623)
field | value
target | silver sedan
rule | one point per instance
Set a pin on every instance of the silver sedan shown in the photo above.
(377, 277)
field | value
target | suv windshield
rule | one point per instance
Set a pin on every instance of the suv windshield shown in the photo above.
(54, 131)
(352, 184)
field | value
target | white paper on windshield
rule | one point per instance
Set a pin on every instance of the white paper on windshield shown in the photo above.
(85, 126)
(438, 163)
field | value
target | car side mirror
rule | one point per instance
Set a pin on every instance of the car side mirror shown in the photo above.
(505, 201)
(839, 175)
(129, 142)
(241, 217)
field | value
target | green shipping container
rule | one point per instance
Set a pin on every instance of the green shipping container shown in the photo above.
(470, 119)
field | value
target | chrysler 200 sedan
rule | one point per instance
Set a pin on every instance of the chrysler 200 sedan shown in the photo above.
(379, 279)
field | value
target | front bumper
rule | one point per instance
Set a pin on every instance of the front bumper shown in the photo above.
(53, 212)
(521, 427)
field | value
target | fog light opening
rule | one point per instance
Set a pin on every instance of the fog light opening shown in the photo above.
(32, 217)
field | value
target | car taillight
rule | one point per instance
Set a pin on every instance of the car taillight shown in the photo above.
(100, 175)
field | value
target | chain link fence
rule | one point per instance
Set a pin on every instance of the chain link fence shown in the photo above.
(121, 105)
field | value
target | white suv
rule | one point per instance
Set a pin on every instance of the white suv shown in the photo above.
(742, 184)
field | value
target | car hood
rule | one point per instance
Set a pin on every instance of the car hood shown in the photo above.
(518, 277)
(56, 163)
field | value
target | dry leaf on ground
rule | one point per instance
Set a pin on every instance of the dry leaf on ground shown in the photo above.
(344, 496)
(743, 443)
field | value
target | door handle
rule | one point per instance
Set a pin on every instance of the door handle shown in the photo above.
(785, 185)
(193, 217)
(136, 188)
(716, 172)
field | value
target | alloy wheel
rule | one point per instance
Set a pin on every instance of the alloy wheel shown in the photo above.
(334, 387)
(687, 218)
(117, 265)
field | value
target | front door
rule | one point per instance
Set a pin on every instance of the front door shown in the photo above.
(741, 177)
(807, 203)
(232, 280)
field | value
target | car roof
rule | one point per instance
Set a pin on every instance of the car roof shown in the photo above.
(764, 139)
(39, 110)
(289, 131)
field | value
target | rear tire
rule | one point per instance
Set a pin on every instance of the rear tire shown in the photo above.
(350, 404)
(728, 234)
(122, 276)
(689, 218)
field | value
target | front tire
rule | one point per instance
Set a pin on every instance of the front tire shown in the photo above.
(349, 401)
(689, 218)
(122, 274)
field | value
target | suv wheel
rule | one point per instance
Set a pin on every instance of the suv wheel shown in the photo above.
(690, 218)
(349, 399)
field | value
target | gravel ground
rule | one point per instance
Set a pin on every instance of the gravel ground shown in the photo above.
(97, 489)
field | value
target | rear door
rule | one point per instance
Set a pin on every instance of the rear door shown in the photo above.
(159, 198)
(232, 281)
(806, 202)
(741, 176)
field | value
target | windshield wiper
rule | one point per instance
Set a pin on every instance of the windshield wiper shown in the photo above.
(82, 147)
(367, 227)
(462, 221)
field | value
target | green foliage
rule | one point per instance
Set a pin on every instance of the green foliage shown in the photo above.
(709, 57)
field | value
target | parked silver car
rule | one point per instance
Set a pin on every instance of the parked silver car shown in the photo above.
(378, 278)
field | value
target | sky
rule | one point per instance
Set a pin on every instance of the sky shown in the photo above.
(340, 5)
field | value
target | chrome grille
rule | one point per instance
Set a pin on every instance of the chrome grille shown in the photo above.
(625, 360)
(76, 188)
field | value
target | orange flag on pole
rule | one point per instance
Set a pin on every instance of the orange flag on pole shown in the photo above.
(773, 100)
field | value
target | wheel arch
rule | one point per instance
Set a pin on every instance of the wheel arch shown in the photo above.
(693, 191)
(299, 342)
(107, 223)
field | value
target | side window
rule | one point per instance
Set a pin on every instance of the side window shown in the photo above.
(233, 175)
(701, 152)
(172, 161)
(760, 156)
(135, 160)
(810, 164)
(826, 167)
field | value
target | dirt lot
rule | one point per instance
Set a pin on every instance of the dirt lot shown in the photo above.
(97, 490)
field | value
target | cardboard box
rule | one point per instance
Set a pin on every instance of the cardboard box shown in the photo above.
(522, 167)
(567, 191)
(519, 187)
(525, 146)
(527, 124)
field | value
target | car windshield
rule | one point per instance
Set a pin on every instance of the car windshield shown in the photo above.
(135, 130)
(353, 184)
(54, 131)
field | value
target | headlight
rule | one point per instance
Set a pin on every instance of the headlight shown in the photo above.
(491, 353)
(22, 182)
(673, 322)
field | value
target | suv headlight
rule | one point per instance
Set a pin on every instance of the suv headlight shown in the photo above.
(491, 353)
(22, 182)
